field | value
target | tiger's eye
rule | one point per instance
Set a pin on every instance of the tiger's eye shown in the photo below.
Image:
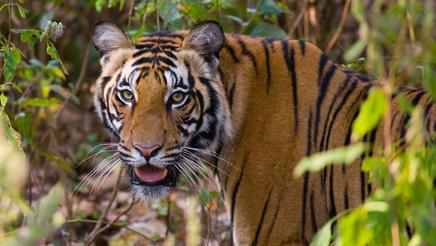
(177, 97)
(127, 95)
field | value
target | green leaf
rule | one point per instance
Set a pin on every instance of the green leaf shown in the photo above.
(3, 100)
(355, 50)
(342, 155)
(135, 34)
(376, 206)
(405, 104)
(323, 236)
(270, 7)
(99, 4)
(169, 12)
(122, 4)
(27, 34)
(39, 102)
(12, 59)
(206, 197)
(53, 53)
(370, 114)
(430, 79)
(47, 206)
(23, 122)
(112, 3)
(267, 30)
(22, 11)
(12, 136)
(59, 161)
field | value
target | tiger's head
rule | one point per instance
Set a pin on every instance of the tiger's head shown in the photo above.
(163, 98)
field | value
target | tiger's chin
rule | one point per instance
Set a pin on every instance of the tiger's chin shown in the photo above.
(149, 182)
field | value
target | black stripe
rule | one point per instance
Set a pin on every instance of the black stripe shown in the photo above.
(372, 138)
(346, 200)
(259, 225)
(406, 117)
(322, 92)
(268, 68)
(332, 211)
(216, 160)
(104, 81)
(274, 218)
(306, 177)
(348, 136)
(312, 214)
(147, 41)
(322, 61)
(232, 94)
(231, 52)
(302, 46)
(154, 59)
(339, 92)
(290, 62)
(426, 116)
(236, 188)
(246, 52)
(344, 100)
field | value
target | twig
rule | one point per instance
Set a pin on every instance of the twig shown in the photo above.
(83, 68)
(338, 31)
(108, 222)
(77, 85)
(387, 132)
(168, 218)
(298, 19)
(126, 210)
(132, 4)
(97, 227)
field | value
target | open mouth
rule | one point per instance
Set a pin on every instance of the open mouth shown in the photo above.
(149, 175)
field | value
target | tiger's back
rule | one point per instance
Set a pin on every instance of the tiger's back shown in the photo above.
(289, 101)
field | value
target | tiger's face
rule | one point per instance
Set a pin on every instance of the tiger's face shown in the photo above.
(164, 100)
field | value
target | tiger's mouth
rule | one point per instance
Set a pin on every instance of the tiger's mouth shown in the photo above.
(151, 176)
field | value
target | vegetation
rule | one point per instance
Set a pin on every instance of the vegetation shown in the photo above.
(50, 138)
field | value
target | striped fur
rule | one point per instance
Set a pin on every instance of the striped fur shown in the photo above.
(275, 102)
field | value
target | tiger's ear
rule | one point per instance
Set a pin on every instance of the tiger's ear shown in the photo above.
(207, 38)
(108, 36)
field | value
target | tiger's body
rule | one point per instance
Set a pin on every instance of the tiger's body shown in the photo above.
(277, 101)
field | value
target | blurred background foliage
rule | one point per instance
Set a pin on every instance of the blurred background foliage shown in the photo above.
(47, 72)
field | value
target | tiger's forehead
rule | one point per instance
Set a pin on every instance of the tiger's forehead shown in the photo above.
(156, 52)
(160, 46)
(154, 60)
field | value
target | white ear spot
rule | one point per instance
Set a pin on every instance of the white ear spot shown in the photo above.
(108, 37)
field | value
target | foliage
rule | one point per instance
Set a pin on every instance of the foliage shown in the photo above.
(47, 69)
(401, 211)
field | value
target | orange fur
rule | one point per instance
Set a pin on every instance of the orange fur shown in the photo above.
(286, 100)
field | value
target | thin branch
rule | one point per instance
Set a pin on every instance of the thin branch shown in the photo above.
(338, 31)
(126, 210)
(100, 222)
(132, 4)
(298, 19)
(77, 85)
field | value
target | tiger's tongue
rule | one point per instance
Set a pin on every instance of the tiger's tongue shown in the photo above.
(150, 174)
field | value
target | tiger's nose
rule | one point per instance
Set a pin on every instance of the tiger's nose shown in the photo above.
(147, 150)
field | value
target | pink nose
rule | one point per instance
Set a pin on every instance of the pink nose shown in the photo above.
(147, 150)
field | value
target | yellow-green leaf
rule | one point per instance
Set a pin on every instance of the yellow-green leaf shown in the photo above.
(370, 114)
(342, 155)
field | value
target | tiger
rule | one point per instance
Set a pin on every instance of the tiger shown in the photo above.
(253, 107)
